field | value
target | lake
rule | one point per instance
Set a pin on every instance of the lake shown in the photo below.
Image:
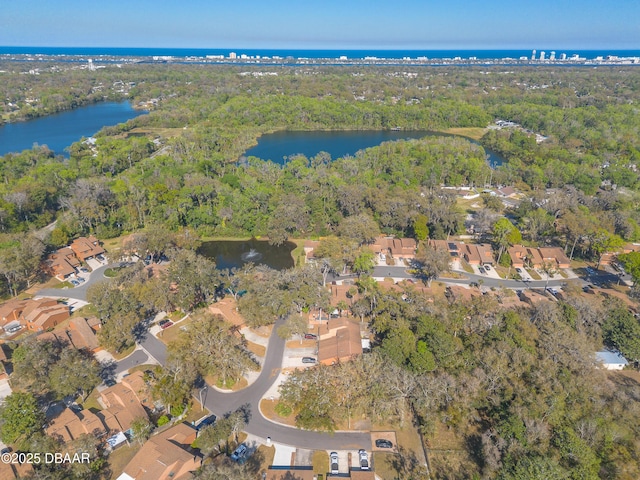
(60, 130)
(235, 253)
(278, 146)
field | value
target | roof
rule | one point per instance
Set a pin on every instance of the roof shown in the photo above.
(11, 310)
(11, 471)
(123, 407)
(486, 253)
(345, 344)
(362, 475)
(63, 262)
(534, 257)
(471, 252)
(81, 334)
(40, 316)
(70, 425)
(86, 247)
(554, 253)
(611, 358)
(339, 294)
(165, 456)
(136, 383)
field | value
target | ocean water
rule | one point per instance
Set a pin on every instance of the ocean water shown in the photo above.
(284, 53)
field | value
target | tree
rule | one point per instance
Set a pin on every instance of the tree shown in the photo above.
(141, 428)
(420, 228)
(361, 228)
(20, 418)
(364, 262)
(294, 325)
(196, 278)
(631, 262)
(74, 371)
(505, 234)
(431, 262)
(211, 348)
(621, 330)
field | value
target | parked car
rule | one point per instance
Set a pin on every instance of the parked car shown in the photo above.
(310, 336)
(100, 258)
(308, 360)
(474, 285)
(519, 270)
(210, 420)
(487, 267)
(481, 269)
(80, 280)
(166, 325)
(75, 283)
(163, 322)
(334, 463)
(364, 459)
(239, 452)
(382, 443)
(84, 270)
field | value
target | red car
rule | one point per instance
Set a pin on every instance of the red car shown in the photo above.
(165, 324)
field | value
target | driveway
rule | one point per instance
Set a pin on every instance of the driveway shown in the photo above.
(79, 292)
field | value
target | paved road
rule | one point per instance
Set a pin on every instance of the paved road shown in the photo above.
(221, 403)
(138, 357)
(401, 273)
(79, 292)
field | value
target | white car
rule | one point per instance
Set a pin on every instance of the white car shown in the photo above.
(364, 459)
(334, 463)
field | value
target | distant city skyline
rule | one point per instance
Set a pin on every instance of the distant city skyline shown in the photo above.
(356, 24)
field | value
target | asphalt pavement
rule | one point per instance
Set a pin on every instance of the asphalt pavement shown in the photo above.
(79, 292)
(221, 403)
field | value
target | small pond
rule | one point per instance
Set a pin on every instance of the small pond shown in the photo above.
(279, 146)
(235, 253)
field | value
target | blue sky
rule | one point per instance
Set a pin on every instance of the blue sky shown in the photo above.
(397, 24)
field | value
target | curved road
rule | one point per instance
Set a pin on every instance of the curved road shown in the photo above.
(221, 403)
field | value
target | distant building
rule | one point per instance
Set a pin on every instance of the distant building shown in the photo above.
(85, 248)
(542, 54)
(533, 55)
(122, 407)
(552, 56)
(339, 341)
(611, 360)
(233, 55)
(69, 425)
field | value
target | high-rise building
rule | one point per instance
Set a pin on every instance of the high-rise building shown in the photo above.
(542, 55)
(232, 55)
(533, 55)
(552, 56)
(563, 56)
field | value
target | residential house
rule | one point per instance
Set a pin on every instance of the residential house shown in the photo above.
(339, 341)
(518, 255)
(85, 248)
(165, 456)
(534, 258)
(485, 252)
(470, 254)
(62, 263)
(122, 407)
(10, 311)
(69, 425)
(395, 247)
(555, 256)
(136, 383)
(40, 315)
(15, 471)
(82, 335)
(611, 360)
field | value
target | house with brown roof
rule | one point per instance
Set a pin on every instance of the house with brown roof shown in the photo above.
(470, 253)
(534, 258)
(82, 336)
(518, 255)
(122, 407)
(135, 382)
(62, 263)
(395, 247)
(69, 425)
(85, 248)
(42, 314)
(339, 341)
(10, 311)
(555, 256)
(486, 254)
(165, 456)
(15, 471)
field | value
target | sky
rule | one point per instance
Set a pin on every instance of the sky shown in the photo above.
(326, 24)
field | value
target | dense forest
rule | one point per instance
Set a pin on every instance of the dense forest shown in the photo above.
(519, 385)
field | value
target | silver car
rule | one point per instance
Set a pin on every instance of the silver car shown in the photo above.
(334, 463)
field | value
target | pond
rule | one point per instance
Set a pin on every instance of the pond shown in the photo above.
(278, 146)
(60, 130)
(235, 253)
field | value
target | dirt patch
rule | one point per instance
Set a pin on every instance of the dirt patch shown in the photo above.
(256, 349)
(304, 344)
(389, 435)
(268, 409)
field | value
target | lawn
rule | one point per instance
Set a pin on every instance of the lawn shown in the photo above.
(172, 333)
(91, 403)
(267, 407)
(320, 462)
(409, 450)
(256, 349)
(120, 457)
